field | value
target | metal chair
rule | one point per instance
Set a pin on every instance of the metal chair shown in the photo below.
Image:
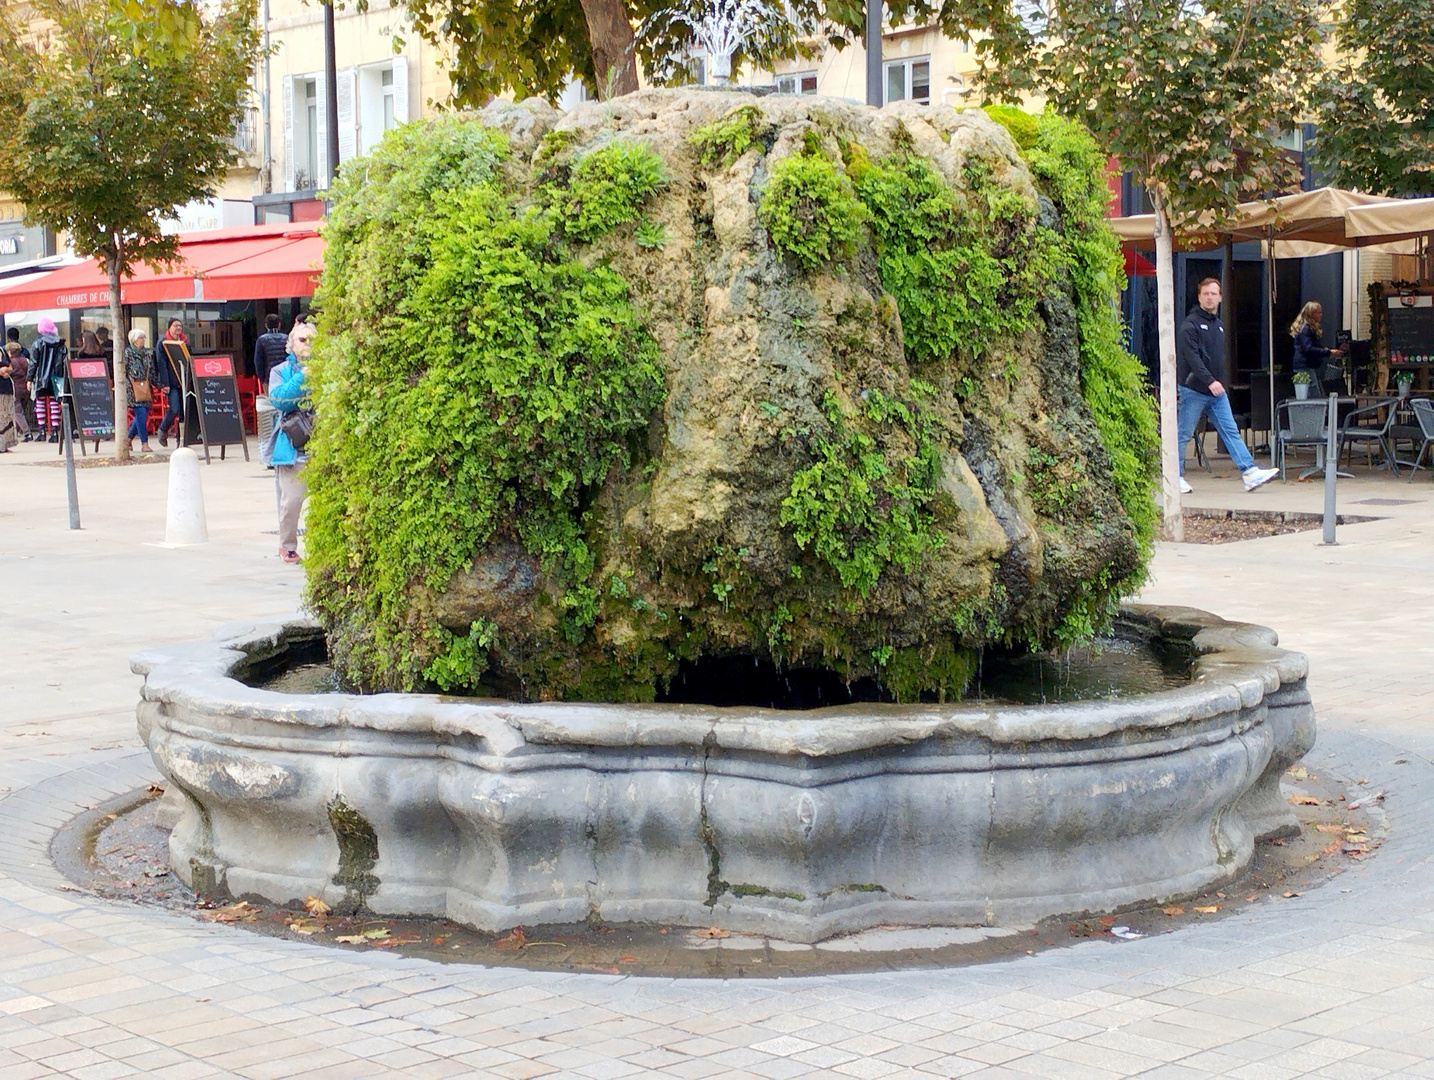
(1354, 432)
(1304, 423)
(1424, 414)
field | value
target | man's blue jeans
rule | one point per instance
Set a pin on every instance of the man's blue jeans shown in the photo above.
(1192, 405)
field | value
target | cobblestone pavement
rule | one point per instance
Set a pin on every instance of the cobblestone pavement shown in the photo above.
(1338, 982)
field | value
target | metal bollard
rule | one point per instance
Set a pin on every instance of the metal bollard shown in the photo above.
(1331, 467)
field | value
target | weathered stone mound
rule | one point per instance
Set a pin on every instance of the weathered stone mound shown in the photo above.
(690, 375)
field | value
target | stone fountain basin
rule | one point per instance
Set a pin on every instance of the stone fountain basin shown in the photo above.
(797, 825)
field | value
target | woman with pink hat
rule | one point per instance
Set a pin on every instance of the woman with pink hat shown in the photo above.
(47, 370)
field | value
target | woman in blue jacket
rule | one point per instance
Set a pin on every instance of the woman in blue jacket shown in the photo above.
(289, 394)
(1310, 353)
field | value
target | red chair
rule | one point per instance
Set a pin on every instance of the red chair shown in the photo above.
(249, 389)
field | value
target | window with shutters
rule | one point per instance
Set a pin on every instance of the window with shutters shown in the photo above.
(382, 101)
(303, 135)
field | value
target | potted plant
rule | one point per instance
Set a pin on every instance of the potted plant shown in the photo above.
(1404, 380)
(1302, 381)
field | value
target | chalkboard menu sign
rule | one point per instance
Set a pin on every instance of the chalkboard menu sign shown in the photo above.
(220, 421)
(93, 398)
(1411, 333)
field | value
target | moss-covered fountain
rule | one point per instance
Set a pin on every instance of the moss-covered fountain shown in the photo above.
(646, 425)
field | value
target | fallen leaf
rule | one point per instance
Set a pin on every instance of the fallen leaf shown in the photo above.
(1362, 780)
(1107, 920)
(1327, 827)
(1289, 894)
(1220, 895)
(243, 911)
(1251, 899)
(1299, 772)
(440, 940)
(155, 789)
(353, 939)
(1174, 910)
(516, 940)
(1378, 796)
(306, 926)
(627, 959)
(714, 932)
(378, 933)
(314, 906)
(1304, 800)
(1207, 909)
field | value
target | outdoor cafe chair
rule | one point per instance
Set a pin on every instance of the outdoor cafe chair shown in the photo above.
(1362, 427)
(1424, 414)
(1303, 423)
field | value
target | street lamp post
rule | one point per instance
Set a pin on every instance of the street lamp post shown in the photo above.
(873, 52)
(331, 96)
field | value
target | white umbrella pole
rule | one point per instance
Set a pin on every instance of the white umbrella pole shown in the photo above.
(1270, 325)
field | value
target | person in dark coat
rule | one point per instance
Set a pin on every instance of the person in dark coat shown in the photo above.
(1199, 358)
(173, 383)
(271, 350)
(1310, 354)
(47, 364)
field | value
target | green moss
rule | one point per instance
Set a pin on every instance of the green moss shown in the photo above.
(527, 386)
(1071, 170)
(810, 210)
(608, 188)
(1024, 128)
(964, 272)
(723, 142)
(1057, 484)
(939, 671)
(554, 144)
(865, 501)
(358, 853)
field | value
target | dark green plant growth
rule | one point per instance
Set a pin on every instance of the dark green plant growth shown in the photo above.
(608, 188)
(553, 144)
(721, 143)
(938, 672)
(1057, 485)
(1070, 170)
(526, 386)
(810, 210)
(1024, 128)
(358, 853)
(964, 272)
(865, 502)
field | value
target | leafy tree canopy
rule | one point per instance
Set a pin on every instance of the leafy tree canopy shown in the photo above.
(1376, 119)
(114, 114)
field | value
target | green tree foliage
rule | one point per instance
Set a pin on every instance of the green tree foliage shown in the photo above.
(1376, 117)
(513, 379)
(112, 116)
(810, 210)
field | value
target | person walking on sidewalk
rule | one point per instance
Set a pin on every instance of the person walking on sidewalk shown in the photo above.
(47, 369)
(173, 382)
(20, 376)
(8, 438)
(289, 394)
(270, 350)
(1200, 356)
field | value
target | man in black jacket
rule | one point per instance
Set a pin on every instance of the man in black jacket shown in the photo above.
(270, 350)
(1199, 359)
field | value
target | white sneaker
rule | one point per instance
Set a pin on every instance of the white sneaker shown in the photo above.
(1254, 477)
(1185, 489)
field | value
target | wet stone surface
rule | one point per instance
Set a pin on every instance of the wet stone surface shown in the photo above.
(117, 851)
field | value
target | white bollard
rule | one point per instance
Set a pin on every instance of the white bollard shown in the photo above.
(184, 522)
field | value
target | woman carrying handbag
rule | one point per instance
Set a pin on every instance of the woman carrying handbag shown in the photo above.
(141, 374)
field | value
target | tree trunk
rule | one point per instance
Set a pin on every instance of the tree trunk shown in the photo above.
(1165, 319)
(118, 338)
(614, 48)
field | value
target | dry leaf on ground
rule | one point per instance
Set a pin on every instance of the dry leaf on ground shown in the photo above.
(713, 932)
(314, 906)
(516, 940)
(243, 911)
(350, 939)
(1174, 910)
(1304, 800)
(1207, 909)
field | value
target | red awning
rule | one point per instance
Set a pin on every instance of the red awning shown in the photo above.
(1137, 265)
(290, 270)
(204, 258)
